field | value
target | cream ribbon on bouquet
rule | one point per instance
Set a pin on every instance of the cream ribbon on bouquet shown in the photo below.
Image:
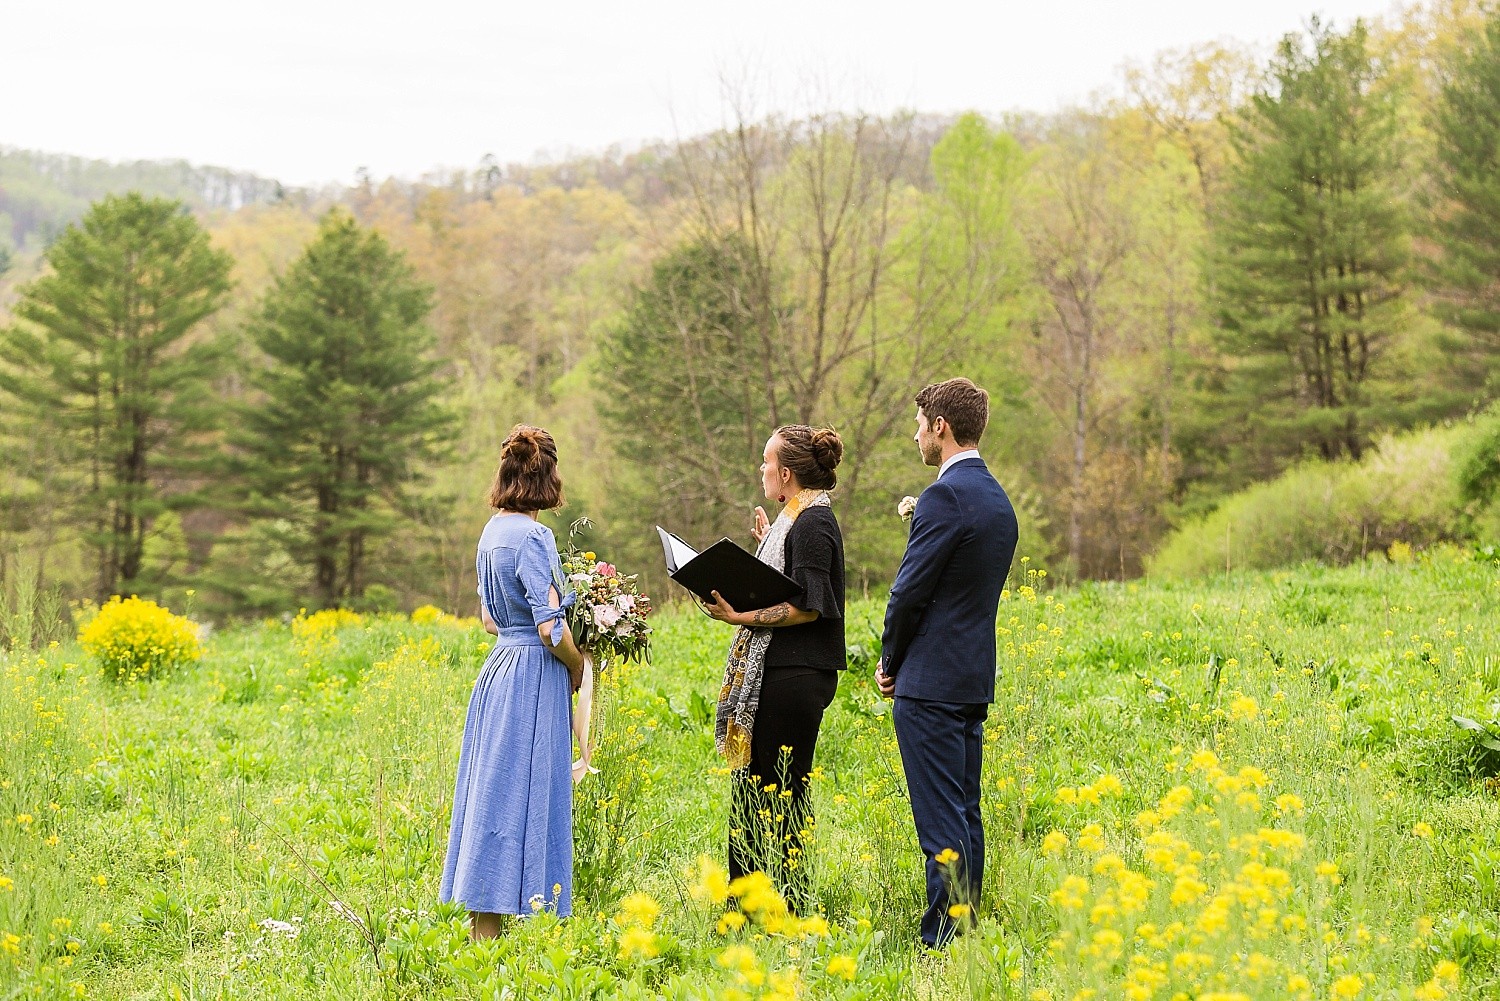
(583, 713)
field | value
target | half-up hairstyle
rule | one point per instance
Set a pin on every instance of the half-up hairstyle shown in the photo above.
(812, 454)
(527, 479)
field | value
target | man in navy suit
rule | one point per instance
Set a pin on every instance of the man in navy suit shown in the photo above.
(938, 650)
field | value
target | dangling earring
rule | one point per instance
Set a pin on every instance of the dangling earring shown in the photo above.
(781, 498)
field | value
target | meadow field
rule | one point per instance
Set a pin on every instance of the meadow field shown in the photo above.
(1254, 786)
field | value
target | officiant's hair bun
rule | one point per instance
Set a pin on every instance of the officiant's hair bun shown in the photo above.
(527, 479)
(812, 454)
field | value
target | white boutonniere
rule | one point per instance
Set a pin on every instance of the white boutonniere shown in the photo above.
(905, 507)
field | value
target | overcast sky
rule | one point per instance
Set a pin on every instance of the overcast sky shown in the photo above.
(310, 90)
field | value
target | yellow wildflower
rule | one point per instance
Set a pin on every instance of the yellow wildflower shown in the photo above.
(814, 926)
(712, 886)
(1109, 785)
(1070, 895)
(638, 941)
(1350, 985)
(1288, 803)
(638, 909)
(740, 958)
(1203, 760)
(1091, 838)
(1347, 986)
(842, 966)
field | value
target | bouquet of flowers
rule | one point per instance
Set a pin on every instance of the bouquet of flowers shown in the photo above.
(608, 617)
(608, 622)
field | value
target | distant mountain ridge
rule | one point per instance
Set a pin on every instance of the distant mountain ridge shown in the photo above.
(41, 193)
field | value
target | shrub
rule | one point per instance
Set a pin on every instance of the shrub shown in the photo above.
(135, 639)
(1332, 512)
(324, 623)
(1477, 465)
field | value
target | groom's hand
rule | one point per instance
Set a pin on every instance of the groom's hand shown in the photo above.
(887, 685)
(761, 524)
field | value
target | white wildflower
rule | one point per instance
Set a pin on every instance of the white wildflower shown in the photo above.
(280, 928)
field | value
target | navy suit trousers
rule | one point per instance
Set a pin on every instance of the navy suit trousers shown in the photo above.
(942, 749)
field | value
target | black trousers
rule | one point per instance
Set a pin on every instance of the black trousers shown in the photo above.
(766, 825)
(942, 750)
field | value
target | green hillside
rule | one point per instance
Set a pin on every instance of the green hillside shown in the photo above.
(40, 193)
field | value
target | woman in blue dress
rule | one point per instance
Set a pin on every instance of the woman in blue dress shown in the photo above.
(510, 847)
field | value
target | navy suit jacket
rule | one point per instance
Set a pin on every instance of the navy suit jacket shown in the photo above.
(939, 639)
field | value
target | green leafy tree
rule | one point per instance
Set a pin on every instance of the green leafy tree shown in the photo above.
(1310, 251)
(1466, 130)
(682, 383)
(108, 378)
(348, 409)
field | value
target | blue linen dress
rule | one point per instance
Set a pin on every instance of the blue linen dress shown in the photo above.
(511, 841)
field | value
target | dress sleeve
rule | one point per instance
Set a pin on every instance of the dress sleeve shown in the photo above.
(810, 556)
(539, 570)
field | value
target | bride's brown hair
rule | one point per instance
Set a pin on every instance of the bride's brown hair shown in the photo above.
(527, 479)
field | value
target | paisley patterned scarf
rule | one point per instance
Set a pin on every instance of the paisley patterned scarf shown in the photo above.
(740, 696)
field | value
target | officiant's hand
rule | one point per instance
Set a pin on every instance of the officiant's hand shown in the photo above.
(887, 685)
(762, 525)
(722, 610)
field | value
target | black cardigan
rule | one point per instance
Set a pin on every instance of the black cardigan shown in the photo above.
(815, 560)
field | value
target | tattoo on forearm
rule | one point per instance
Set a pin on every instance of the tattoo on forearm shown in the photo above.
(773, 616)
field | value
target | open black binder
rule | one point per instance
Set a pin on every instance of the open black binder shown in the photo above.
(744, 581)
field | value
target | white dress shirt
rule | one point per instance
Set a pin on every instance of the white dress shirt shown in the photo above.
(972, 453)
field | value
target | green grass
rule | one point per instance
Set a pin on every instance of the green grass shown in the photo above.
(305, 779)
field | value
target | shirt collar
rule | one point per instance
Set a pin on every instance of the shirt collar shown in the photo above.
(972, 453)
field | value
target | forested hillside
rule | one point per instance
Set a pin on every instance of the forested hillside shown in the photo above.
(41, 193)
(1243, 261)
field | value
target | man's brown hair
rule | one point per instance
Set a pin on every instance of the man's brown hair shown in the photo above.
(527, 479)
(964, 406)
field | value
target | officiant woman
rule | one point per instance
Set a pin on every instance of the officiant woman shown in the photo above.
(784, 663)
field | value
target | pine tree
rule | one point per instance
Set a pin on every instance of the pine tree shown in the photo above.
(683, 382)
(108, 377)
(1467, 221)
(348, 409)
(1310, 253)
